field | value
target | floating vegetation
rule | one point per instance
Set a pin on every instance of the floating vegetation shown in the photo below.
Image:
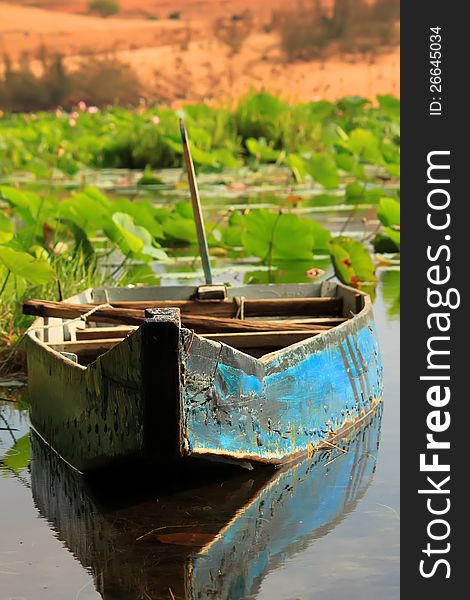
(93, 197)
(316, 140)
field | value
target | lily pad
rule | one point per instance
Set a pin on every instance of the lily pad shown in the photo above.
(273, 236)
(352, 262)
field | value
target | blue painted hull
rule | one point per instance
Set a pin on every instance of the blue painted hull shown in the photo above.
(164, 392)
(283, 404)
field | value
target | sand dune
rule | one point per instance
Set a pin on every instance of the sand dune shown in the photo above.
(180, 59)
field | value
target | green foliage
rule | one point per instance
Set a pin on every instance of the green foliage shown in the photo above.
(317, 140)
(133, 240)
(6, 228)
(17, 457)
(33, 270)
(388, 240)
(391, 292)
(105, 8)
(352, 262)
(271, 236)
(388, 212)
(261, 150)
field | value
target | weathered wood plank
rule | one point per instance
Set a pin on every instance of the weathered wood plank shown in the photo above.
(97, 333)
(86, 347)
(94, 333)
(102, 338)
(134, 316)
(216, 324)
(66, 310)
(259, 339)
(252, 307)
(161, 375)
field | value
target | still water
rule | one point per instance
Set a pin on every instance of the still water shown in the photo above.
(327, 527)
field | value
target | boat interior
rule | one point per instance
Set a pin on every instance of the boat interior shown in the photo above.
(256, 319)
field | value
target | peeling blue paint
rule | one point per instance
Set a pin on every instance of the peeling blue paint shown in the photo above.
(284, 404)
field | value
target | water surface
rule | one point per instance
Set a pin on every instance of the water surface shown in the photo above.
(326, 528)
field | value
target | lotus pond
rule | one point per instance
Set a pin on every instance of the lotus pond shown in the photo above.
(98, 196)
(335, 533)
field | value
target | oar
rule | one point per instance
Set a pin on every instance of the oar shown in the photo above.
(201, 235)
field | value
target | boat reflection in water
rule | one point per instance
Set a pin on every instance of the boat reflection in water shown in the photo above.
(197, 534)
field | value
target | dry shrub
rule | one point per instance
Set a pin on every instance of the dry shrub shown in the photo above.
(352, 25)
(97, 81)
(233, 31)
(22, 90)
(102, 81)
(104, 8)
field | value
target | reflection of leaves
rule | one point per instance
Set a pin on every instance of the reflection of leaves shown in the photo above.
(17, 457)
(148, 178)
(142, 274)
(391, 291)
(351, 260)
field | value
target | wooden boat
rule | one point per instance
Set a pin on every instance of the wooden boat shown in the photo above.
(259, 373)
(202, 535)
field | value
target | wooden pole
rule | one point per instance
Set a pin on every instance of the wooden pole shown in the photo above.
(201, 235)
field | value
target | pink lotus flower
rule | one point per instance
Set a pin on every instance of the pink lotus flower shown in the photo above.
(82, 105)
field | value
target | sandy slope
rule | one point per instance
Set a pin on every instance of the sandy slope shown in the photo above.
(188, 9)
(180, 60)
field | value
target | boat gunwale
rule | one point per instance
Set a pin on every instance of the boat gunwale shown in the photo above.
(264, 359)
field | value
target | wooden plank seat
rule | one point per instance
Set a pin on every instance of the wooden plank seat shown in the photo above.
(268, 324)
